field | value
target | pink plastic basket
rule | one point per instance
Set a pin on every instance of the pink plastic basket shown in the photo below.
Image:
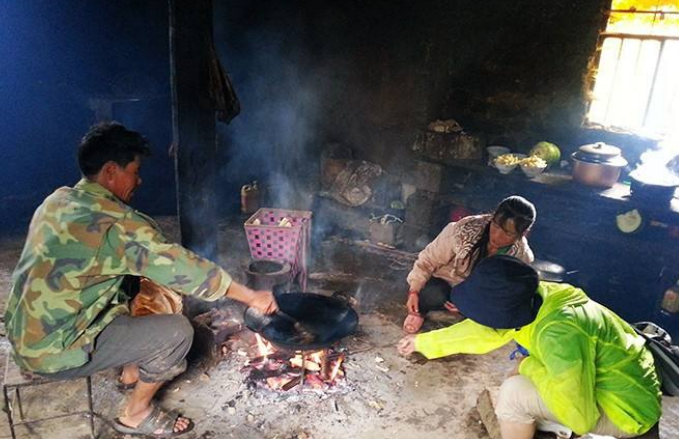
(268, 240)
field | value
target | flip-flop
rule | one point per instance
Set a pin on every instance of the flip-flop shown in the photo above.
(413, 323)
(158, 419)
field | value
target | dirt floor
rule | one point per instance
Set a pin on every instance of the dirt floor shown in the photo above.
(383, 396)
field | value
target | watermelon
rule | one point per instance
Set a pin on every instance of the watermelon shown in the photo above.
(547, 151)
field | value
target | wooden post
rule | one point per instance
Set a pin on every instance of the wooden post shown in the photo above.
(194, 125)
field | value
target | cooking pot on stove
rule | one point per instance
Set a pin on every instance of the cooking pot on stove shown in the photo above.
(653, 188)
(597, 164)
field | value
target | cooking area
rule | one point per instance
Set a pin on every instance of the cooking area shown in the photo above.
(300, 220)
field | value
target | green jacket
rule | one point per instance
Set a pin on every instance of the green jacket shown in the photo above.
(583, 359)
(81, 244)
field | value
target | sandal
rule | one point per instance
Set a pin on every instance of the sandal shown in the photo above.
(158, 419)
(413, 323)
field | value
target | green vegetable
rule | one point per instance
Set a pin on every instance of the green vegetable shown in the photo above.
(629, 222)
(547, 151)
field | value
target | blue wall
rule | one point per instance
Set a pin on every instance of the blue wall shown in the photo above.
(57, 55)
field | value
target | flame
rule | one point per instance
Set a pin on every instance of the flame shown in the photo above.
(296, 361)
(316, 357)
(321, 368)
(264, 348)
(335, 368)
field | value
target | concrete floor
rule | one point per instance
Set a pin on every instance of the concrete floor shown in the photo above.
(384, 396)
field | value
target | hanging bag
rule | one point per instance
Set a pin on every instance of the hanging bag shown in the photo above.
(665, 354)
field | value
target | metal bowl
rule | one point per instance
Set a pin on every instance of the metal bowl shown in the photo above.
(549, 271)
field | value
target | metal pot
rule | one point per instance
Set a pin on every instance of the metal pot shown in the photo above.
(265, 274)
(658, 193)
(598, 165)
(549, 271)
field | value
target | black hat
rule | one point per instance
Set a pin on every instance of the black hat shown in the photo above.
(500, 292)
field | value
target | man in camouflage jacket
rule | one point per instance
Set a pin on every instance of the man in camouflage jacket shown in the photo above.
(68, 312)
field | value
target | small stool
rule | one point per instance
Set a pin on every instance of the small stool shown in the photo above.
(15, 380)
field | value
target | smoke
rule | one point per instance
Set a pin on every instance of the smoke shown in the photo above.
(659, 166)
(274, 138)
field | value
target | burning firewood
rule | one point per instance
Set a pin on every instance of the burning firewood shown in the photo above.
(293, 383)
(284, 370)
(315, 382)
(279, 382)
(308, 364)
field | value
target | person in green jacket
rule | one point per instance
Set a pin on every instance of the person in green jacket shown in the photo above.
(68, 312)
(587, 369)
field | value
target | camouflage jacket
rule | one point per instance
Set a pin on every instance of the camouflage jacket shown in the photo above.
(81, 244)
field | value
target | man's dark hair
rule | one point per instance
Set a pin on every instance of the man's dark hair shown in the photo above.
(110, 141)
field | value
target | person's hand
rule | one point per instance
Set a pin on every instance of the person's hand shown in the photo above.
(450, 306)
(264, 302)
(413, 303)
(406, 345)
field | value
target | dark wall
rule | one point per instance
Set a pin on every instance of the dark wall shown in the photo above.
(309, 74)
(367, 74)
(55, 57)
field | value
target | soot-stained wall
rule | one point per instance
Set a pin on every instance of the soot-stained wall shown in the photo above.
(368, 74)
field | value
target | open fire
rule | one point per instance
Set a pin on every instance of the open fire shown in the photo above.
(284, 370)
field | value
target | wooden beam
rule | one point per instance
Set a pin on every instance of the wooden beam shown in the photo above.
(194, 130)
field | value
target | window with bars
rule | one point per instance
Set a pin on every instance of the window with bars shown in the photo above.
(636, 84)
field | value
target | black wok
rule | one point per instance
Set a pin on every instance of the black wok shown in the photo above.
(327, 319)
